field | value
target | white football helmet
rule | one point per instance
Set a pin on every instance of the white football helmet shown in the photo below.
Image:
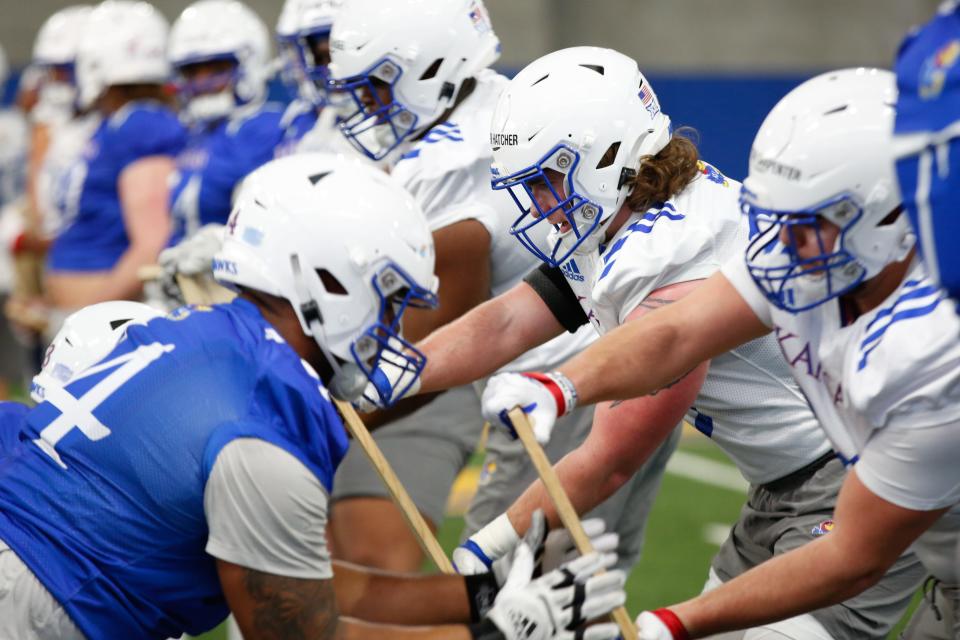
(213, 30)
(826, 149)
(85, 338)
(588, 113)
(348, 265)
(55, 52)
(125, 42)
(419, 51)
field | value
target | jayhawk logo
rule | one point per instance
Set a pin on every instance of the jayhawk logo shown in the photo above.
(823, 528)
(712, 174)
(933, 71)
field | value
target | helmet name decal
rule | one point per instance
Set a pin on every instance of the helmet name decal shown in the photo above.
(766, 165)
(503, 139)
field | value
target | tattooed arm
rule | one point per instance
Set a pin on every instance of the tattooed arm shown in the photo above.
(271, 607)
(623, 436)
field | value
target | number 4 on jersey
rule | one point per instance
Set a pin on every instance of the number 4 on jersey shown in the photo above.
(77, 413)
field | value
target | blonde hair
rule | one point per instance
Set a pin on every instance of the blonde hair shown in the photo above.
(667, 173)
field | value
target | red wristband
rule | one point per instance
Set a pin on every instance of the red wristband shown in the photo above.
(552, 387)
(672, 622)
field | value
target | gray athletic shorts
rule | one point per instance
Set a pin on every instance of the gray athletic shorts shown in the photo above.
(427, 449)
(507, 472)
(788, 513)
(27, 610)
(937, 616)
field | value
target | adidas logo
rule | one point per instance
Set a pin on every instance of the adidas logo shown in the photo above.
(571, 271)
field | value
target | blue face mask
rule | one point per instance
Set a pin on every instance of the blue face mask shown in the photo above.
(397, 292)
(580, 214)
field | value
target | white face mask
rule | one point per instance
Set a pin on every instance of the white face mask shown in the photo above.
(212, 106)
(57, 100)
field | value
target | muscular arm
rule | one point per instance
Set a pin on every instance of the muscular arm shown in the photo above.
(490, 336)
(640, 357)
(623, 436)
(869, 534)
(143, 197)
(271, 607)
(463, 268)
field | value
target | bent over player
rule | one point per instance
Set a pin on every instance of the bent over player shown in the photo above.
(639, 223)
(831, 274)
(187, 473)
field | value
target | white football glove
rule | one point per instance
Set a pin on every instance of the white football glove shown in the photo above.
(494, 544)
(558, 604)
(544, 397)
(661, 624)
(194, 255)
(390, 377)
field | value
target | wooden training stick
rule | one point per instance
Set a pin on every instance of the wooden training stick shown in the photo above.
(568, 515)
(400, 496)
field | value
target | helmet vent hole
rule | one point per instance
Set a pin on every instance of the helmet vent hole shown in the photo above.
(609, 156)
(891, 217)
(839, 109)
(317, 177)
(119, 323)
(432, 69)
(593, 67)
(330, 283)
(540, 80)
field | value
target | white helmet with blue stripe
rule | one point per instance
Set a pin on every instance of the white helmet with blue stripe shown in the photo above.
(403, 63)
(220, 30)
(348, 266)
(825, 152)
(589, 114)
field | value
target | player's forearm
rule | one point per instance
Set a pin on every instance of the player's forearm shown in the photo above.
(586, 483)
(384, 597)
(819, 574)
(349, 629)
(634, 360)
(474, 346)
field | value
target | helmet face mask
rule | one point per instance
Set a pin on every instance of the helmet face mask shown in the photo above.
(378, 123)
(796, 279)
(582, 216)
(383, 343)
(824, 154)
(303, 37)
(219, 49)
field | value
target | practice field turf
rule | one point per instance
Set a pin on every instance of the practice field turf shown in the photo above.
(697, 504)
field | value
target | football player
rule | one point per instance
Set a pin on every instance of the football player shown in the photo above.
(415, 77)
(639, 222)
(830, 273)
(187, 473)
(219, 50)
(928, 76)
(114, 197)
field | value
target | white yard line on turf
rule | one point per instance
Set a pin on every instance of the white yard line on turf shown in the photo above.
(707, 471)
(716, 533)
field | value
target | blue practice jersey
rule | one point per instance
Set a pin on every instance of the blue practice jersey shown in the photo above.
(216, 159)
(105, 503)
(11, 423)
(299, 118)
(94, 235)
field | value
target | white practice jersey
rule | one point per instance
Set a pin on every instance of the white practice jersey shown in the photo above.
(749, 403)
(886, 389)
(448, 173)
(67, 140)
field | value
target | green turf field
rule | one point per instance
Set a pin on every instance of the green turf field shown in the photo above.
(689, 520)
